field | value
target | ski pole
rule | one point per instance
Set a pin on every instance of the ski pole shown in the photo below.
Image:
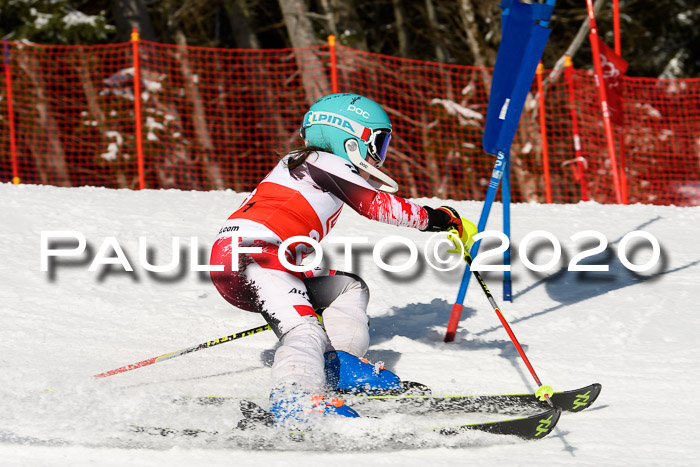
(177, 353)
(543, 392)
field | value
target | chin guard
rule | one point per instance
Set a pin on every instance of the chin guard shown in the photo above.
(353, 151)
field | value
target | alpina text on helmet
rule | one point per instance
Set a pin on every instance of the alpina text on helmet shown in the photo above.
(331, 119)
(319, 117)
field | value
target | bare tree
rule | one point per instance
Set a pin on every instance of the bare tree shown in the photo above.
(401, 31)
(83, 69)
(434, 28)
(129, 14)
(574, 45)
(242, 31)
(301, 35)
(49, 154)
(199, 117)
(483, 55)
(347, 22)
(329, 17)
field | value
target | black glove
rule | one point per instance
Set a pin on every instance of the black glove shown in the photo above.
(442, 219)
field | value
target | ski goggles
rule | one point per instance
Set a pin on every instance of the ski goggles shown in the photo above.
(378, 145)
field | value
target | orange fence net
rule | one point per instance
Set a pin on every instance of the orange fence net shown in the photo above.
(203, 119)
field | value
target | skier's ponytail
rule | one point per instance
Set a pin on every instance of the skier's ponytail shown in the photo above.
(301, 154)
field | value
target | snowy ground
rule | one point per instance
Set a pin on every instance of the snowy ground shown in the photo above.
(634, 333)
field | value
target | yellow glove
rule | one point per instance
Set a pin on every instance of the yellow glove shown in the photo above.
(463, 243)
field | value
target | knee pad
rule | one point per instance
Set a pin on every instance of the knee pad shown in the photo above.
(299, 359)
(344, 297)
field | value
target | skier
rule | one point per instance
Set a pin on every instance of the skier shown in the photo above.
(346, 137)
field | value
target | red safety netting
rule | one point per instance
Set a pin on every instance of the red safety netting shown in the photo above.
(216, 118)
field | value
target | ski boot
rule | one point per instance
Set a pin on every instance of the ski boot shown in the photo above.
(346, 373)
(296, 406)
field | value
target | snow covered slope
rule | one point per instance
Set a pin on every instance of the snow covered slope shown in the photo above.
(633, 332)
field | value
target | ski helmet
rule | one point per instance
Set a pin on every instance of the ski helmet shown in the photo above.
(335, 119)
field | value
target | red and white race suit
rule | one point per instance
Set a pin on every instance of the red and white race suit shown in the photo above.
(304, 201)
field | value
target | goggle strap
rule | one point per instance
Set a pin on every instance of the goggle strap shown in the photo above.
(318, 117)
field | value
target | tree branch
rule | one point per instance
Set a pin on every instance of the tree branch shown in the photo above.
(575, 44)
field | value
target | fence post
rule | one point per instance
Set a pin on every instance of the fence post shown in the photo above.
(11, 115)
(334, 64)
(543, 133)
(137, 107)
(578, 160)
(623, 176)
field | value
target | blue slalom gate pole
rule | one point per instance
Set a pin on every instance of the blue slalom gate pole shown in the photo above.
(524, 35)
(505, 198)
(498, 171)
